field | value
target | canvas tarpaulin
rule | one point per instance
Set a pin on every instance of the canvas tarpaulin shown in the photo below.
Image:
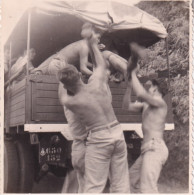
(55, 24)
(107, 15)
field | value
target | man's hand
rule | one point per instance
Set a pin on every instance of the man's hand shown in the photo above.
(94, 39)
(101, 46)
(135, 70)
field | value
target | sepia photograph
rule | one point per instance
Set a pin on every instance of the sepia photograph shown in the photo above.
(96, 96)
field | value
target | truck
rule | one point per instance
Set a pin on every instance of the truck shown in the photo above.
(37, 139)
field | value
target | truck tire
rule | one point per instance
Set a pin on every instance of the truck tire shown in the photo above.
(11, 167)
(27, 166)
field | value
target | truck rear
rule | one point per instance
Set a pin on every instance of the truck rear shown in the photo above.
(37, 137)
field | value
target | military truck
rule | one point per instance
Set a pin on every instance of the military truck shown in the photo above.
(36, 134)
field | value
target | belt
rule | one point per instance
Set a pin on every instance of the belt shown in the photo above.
(104, 127)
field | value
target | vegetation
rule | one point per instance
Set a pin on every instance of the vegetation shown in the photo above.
(175, 17)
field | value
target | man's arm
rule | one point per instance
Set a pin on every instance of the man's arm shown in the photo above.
(14, 76)
(100, 70)
(62, 92)
(84, 63)
(127, 104)
(142, 93)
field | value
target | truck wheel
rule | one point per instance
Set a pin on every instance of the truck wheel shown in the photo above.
(11, 167)
(27, 166)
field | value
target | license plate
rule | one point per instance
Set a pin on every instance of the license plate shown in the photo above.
(51, 154)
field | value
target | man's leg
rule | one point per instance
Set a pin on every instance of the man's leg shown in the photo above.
(152, 163)
(78, 152)
(119, 173)
(55, 66)
(134, 174)
(97, 163)
(78, 162)
(70, 183)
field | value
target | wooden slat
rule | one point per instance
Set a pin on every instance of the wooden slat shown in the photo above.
(17, 113)
(47, 87)
(43, 79)
(131, 118)
(17, 106)
(18, 86)
(118, 104)
(18, 92)
(120, 111)
(51, 117)
(47, 94)
(120, 98)
(49, 109)
(47, 102)
(18, 99)
(17, 120)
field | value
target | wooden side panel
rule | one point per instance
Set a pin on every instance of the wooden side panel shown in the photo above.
(46, 107)
(45, 102)
(15, 105)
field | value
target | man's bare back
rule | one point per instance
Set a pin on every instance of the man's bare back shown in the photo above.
(93, 105)
(73, 52)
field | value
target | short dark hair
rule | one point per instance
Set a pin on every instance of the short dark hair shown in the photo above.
(161, 85)
(69, 75)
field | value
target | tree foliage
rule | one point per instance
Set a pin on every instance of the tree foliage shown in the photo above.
(175, 17)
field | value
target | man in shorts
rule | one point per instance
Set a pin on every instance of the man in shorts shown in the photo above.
(145, 172)
(106, 152)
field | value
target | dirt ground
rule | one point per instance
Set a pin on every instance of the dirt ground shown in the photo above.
(53, 184)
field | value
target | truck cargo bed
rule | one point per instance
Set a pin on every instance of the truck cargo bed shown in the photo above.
(35, 101)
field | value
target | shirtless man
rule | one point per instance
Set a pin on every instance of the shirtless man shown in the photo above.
(145, 171)
(76, 53)
(76, 127)
(106, 152)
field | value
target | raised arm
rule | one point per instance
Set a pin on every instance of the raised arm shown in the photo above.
(100, 70)
(143, 94)
(84, 62)
(127, 104)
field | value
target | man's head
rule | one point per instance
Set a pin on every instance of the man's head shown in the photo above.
(158, 86)
(70, 77)
(87, 30)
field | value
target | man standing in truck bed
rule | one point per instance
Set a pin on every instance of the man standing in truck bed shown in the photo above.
(145, 171)
(106, 152)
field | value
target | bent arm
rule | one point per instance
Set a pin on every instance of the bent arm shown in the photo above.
(84, 63)
(62, 92)
(100, 71)
(127, 104)
(142, 93)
